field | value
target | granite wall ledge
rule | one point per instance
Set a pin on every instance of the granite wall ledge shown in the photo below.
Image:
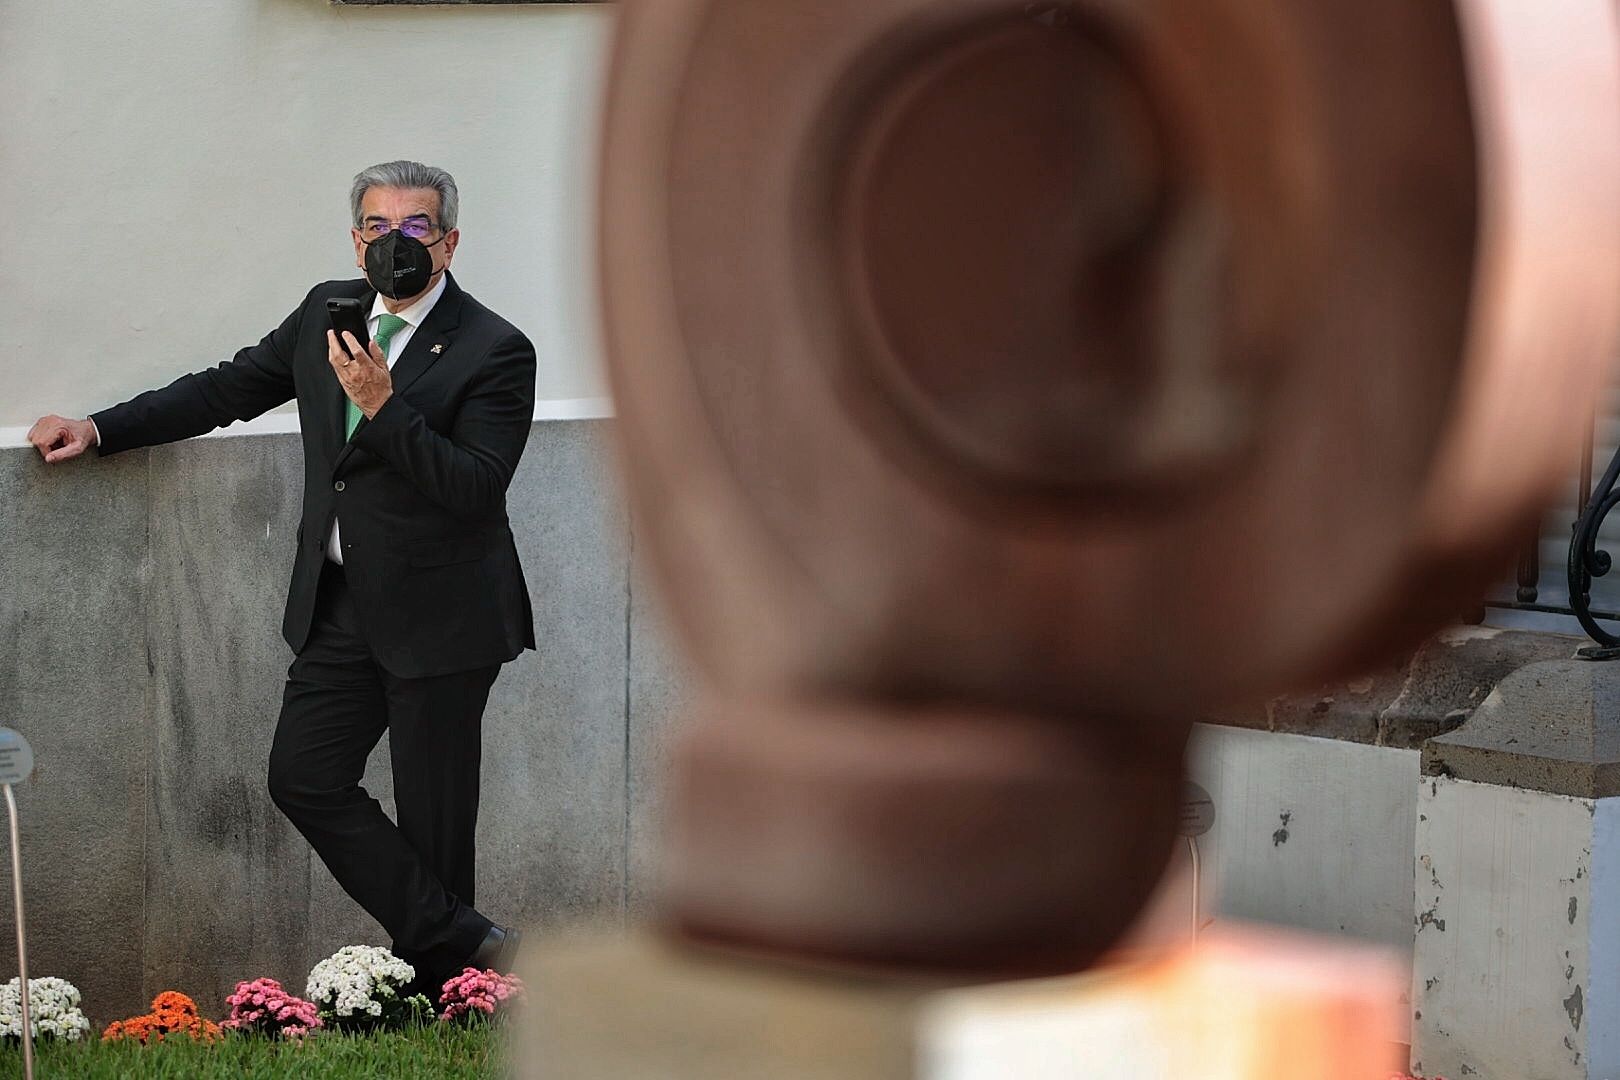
(1430, 693)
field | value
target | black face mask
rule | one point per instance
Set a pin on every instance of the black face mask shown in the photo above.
(398, 265)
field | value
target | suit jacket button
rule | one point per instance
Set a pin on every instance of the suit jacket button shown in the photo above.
(338, 486)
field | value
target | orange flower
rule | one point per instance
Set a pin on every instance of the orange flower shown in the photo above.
(172, 1013)
(171, 1001)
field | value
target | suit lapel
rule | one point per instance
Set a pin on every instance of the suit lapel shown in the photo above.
(428, 343)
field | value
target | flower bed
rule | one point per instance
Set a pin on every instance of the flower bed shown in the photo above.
(354, 996)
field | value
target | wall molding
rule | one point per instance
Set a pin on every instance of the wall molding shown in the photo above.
(279, 423)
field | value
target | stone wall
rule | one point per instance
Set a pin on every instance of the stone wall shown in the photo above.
(140, 605)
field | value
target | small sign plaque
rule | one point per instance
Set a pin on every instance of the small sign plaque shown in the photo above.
(16, 757)
(1197, 811)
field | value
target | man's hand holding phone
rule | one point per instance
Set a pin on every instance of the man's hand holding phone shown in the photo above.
(361, 368)
(362, 371)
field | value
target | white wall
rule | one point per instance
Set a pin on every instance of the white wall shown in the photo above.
(175, 175)
(1311, 833)
(1514, 966)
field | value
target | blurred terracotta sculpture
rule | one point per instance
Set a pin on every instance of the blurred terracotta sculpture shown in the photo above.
(1004, 384)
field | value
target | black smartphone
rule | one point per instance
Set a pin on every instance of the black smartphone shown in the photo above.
(346, 315)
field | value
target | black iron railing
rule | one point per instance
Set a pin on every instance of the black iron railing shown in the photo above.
(1586, 561)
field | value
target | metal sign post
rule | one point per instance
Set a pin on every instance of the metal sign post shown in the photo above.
(1197, 818)
(16, 762)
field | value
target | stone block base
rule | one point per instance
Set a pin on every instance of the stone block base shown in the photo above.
(636, 1007)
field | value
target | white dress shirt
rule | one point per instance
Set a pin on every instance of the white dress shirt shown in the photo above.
(413, 317)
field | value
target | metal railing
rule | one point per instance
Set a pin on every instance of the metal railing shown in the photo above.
(1585, 561)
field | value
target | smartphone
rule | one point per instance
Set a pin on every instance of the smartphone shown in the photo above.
(346, 315)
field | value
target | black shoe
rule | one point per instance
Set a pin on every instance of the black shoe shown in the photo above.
(498, 951)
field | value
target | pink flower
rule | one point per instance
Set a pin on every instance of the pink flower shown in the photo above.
(262, 1005)
(477, 991)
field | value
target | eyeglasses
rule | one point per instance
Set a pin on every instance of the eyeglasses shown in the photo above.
(419, 227)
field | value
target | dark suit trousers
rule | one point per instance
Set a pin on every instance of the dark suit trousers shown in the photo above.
(416, 877)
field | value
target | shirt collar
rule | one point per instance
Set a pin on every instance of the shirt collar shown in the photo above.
(417, 311)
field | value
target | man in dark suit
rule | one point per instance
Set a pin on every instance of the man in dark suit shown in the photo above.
(406, 593)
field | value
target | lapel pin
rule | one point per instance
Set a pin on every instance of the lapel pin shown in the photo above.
(436, 350)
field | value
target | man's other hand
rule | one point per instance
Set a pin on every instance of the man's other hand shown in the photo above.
(58, 439)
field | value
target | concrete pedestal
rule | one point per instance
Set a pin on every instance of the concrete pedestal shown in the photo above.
(1516, 965)
(1243, 1005)
(634, 1007)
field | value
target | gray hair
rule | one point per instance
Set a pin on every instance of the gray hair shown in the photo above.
(409, 175)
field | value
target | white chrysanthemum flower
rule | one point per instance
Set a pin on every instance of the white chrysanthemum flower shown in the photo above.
(53, 1010)
(358, 980)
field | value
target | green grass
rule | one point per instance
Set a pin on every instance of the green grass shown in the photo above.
(434, 1050)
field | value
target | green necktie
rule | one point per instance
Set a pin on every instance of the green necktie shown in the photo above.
(387, 327)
